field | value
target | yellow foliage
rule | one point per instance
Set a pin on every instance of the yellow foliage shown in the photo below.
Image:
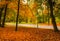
(25, 10)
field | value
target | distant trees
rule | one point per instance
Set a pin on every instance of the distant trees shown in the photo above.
(1, 10)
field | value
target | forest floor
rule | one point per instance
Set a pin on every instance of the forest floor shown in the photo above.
(8, 33)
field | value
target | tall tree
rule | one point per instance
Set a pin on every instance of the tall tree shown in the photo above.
(17, 15)
(4, 15)
(52, 16)
(1, 10)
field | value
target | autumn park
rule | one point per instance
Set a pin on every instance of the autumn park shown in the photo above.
(29, 20)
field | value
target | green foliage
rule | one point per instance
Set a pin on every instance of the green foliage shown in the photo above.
(11, 15)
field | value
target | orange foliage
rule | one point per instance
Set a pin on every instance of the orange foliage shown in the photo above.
(12, 5)
(8, 33)
(45, 11)
(34, 5)
(25, 10)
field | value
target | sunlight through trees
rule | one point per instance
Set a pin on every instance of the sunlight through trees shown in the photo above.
(29, 11)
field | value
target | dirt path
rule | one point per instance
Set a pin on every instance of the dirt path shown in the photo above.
(44, 26)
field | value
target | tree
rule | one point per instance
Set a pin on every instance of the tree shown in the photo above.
(2, 6)
(52, 16)
(4, 15)
(17, 15)
(6, 6)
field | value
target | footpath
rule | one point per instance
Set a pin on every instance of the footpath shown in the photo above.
(33, 25)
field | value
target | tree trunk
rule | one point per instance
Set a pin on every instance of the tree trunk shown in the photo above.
(3, 23)
(52, 16)
(1, 14)
(17, 15)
